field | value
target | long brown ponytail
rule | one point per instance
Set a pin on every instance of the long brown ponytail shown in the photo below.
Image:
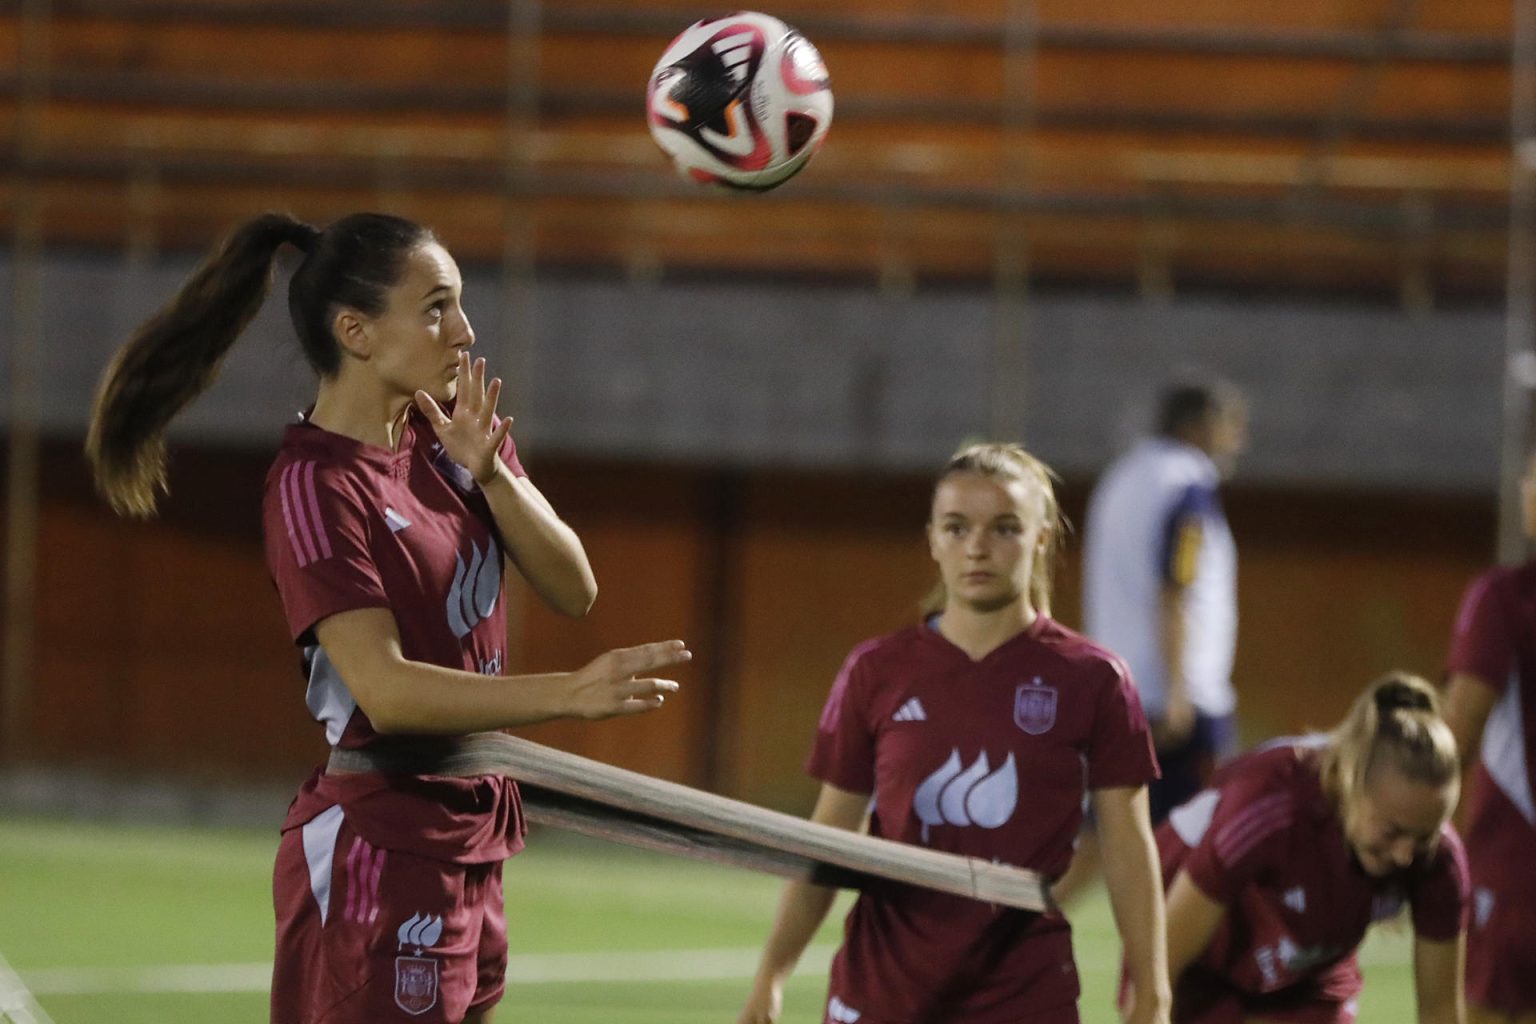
(174, 356)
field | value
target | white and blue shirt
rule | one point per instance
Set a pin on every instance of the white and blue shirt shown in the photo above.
(1155, 519)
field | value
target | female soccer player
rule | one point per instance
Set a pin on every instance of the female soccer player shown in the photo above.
(389, 512)
(1276, 872)
(976, 732)
(1491, 707)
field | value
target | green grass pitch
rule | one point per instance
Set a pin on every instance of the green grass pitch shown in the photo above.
(129, 925)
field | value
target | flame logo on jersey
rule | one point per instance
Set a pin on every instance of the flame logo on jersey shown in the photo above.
(475, 590)
(421, 931)
(962, 796)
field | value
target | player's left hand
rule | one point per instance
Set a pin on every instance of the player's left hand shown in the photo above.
(472, 436)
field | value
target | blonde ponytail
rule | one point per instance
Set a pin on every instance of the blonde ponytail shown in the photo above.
(1395, 723)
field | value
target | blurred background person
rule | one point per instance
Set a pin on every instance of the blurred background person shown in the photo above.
(1160, 579)
(1277, 871)
(1160, 590)
(978, 732)
(1491, 707)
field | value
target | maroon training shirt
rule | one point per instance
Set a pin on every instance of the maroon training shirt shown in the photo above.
(1265, 842)
(988, 759)
(350, 525)
(1495, 642)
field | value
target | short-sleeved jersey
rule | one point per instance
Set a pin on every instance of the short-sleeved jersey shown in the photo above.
(349, 526)
(1495, 643)
(1265, 842)
(1155, 519)
(987, 759)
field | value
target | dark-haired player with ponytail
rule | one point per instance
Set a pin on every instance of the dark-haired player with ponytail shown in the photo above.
(390, 512)
(1275, 873)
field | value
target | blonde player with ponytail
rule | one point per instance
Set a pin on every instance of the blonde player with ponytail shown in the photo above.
(979, 731)
(1276, 872)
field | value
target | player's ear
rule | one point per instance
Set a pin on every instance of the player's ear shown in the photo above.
(352, 333)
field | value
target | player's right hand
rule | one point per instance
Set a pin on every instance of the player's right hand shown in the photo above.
(764, 1004)
(619, 682)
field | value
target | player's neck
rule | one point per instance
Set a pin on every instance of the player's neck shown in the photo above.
(356, 410)
(980, 631)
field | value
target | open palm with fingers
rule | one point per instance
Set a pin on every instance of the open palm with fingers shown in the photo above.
(472, 436)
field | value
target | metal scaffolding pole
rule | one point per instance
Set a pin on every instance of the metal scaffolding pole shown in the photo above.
(26, 342)
(1520, 293)
(1006, 413)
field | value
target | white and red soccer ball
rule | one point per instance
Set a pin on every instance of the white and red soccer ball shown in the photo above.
(742, 101)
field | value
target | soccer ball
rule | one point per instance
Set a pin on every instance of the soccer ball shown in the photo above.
(742, 101)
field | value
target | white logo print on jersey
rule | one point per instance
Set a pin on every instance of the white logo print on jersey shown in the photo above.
(416, 976)
(421, 931)
(961, 796)
(395, 520)
(841, 1011)
(1296, 899)
(911, 711)
(475, 589)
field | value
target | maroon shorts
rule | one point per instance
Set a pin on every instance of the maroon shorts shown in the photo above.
(365, 934)
(1501, 939)
(1203, 997)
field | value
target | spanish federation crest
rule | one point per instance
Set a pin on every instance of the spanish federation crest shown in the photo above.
(1034, 707)
(415, 984)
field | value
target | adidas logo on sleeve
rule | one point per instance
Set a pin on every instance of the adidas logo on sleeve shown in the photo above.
(911, 711)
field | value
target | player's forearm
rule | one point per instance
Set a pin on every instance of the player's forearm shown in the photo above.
(1133, 878)
(404, 696)
(802, 909)
(1172, 636)
(1438, 969)
(546, 550)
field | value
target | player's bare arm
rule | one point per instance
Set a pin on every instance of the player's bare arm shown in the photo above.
(404, 696)
(1134, 881)
(1437, 978)
(802, 908)
(1178, 717)
(1193, 918)
(545, 550)
(1469, 701)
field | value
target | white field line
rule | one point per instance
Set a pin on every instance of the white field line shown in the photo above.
(17, 1006)
(672, 965)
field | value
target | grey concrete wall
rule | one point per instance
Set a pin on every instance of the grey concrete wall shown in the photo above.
(756, 373)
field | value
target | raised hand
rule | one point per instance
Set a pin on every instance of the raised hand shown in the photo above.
(617, 683)
(472, 436)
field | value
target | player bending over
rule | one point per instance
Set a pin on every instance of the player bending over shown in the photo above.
(1276, 872)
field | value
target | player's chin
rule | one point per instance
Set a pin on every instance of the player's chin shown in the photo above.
(1376, 867)
(989, 598)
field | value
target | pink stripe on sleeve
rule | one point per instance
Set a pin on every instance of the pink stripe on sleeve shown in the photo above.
(301, 522)
(1252, 826)
(374, 876)
(314, 510)
(293, 536)
(354, 876)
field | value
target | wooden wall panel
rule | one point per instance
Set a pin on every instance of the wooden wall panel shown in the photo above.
(161, 648)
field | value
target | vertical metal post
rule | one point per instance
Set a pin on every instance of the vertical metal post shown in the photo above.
(517, 347)
(26, 342)
(1006, 413)
(1520, 292)
(511, 356)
